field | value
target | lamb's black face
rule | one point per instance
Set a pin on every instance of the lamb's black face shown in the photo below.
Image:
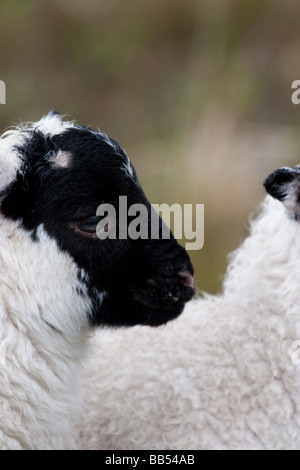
(64, 178)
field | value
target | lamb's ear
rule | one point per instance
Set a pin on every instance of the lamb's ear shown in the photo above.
(284, 185)
(53, 113)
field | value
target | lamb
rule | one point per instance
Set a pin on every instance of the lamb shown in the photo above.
(59, 280)
(224, 375)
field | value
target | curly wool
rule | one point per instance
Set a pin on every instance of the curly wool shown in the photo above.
(41, 370)
(221, 376)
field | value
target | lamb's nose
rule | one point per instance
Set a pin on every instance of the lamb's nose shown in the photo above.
(186, 278)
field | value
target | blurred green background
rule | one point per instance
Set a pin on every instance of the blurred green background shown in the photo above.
(198, 92)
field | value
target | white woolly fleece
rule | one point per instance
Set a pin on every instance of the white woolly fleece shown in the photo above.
(43, 323)
(43, 336)
(219, 377)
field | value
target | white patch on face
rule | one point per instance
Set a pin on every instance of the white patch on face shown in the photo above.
(62, 160)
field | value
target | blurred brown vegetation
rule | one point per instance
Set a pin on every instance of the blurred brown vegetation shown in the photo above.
(197, 91)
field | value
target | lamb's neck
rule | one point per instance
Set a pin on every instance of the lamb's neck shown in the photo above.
(265, 269)
(39, 373)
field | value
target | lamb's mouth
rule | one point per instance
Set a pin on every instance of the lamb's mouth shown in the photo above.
(156, 297)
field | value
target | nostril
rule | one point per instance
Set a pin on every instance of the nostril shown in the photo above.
(186, 278)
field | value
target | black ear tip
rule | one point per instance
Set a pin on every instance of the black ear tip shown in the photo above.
(53, 113)
(276, 182)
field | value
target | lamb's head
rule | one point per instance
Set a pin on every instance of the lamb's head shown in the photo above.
(53, 177)
(284, 185)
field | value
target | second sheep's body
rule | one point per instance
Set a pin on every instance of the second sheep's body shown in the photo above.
(224, 375)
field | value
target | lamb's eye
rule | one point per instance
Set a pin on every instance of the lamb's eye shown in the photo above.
(89, 228)
(89, 225)
(86, 227)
